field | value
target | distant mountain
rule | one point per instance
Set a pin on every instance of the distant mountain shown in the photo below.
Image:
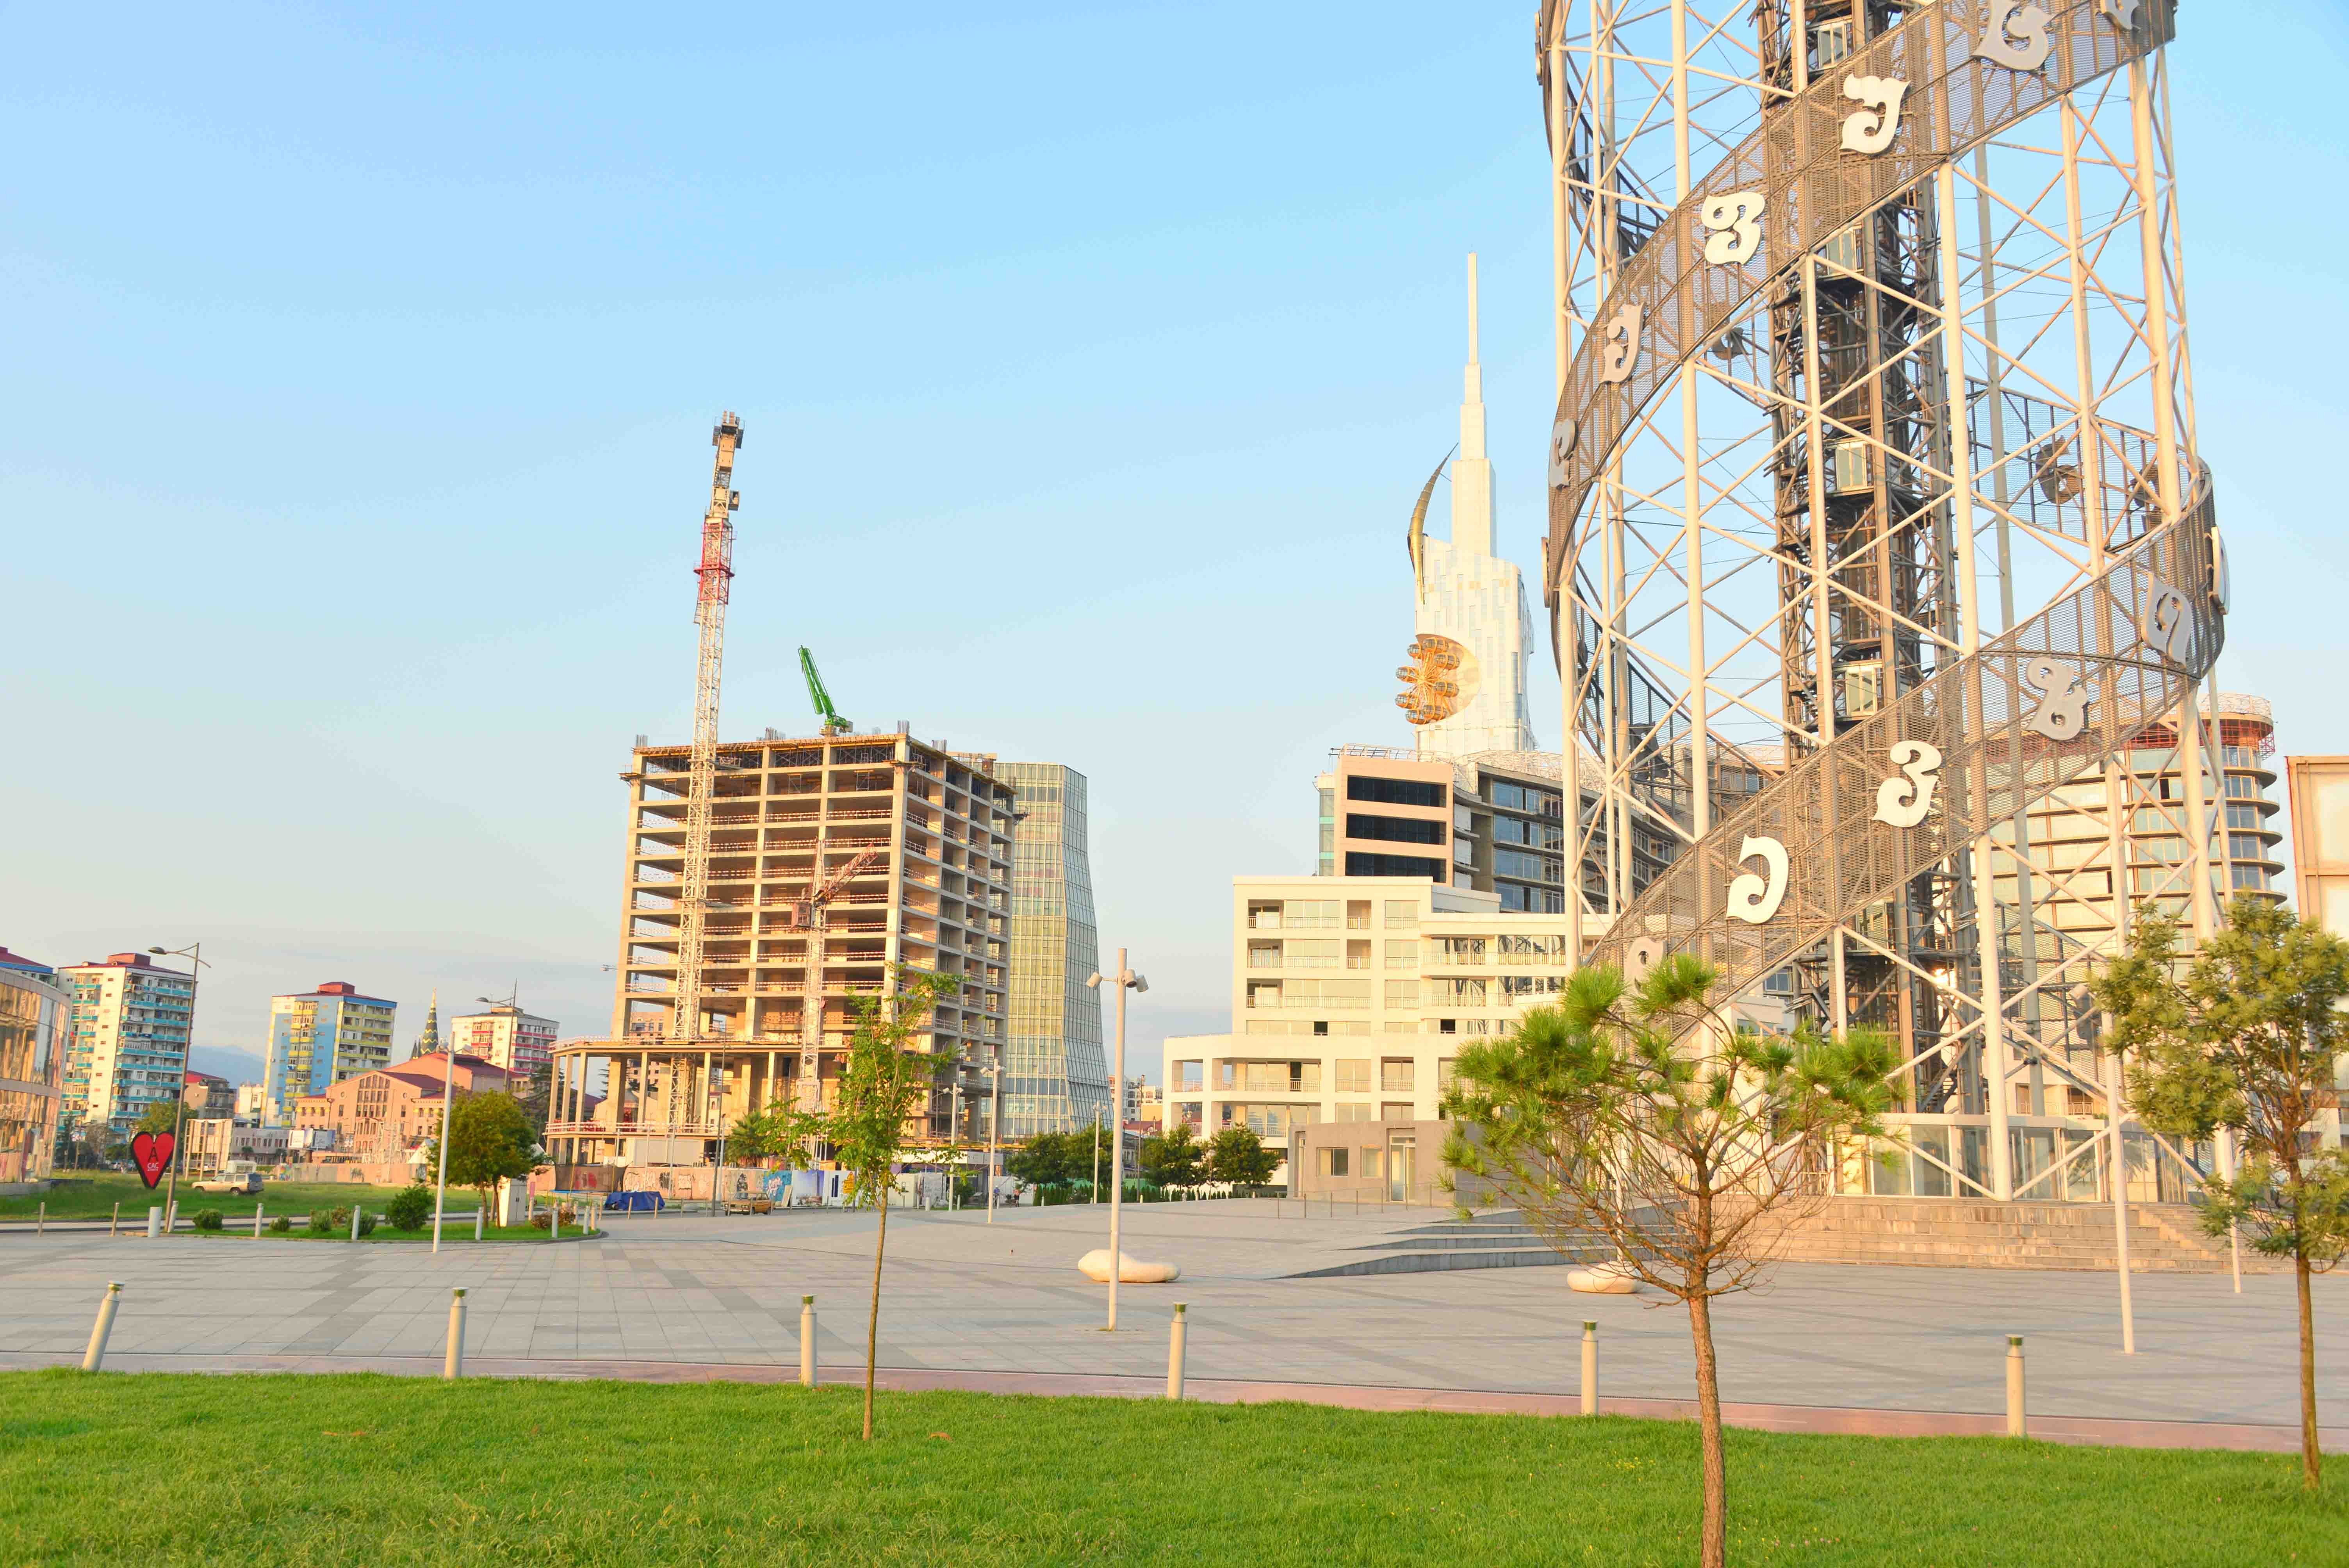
(227, 1061)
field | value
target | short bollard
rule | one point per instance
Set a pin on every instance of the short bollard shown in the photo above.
(1590, 1367)
(807, 1342)
(2015, 1385)
(41, 1222)
(1174, 1337)
(452, 1365)
(256, 1221)
(95, 1356)
(355, 1221)
(115, 1224)
(154, 1220)
(478, 1213)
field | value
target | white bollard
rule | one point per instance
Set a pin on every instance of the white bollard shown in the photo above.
(478, 1211)
(452, 1365)
(2015, 1385)
(1590, 1367)
(41, 1222)
(807, 1342)
(95, 1356)
(355, 1221)
(154, 1220)
(1174, 1339)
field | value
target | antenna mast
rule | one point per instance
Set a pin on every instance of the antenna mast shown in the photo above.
(717, 575)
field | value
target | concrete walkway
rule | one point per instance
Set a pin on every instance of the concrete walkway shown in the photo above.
(1002, 1306)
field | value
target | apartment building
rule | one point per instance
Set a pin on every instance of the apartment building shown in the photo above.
(130, 1038)
(320, 1037)
(213, 1141)
(918, 842)
(1055, 1075)
(36, 1023)
(208, 1094)
(520, 1042)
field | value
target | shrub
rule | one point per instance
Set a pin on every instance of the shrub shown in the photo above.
(208, 1219)
(409, 1208)
(538, 1221)
(281, 1226)
(367, 1224)
(329, 1221)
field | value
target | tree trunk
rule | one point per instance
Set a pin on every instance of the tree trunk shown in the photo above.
(872, 1319)
(2312, 1461)
(1715, 1548)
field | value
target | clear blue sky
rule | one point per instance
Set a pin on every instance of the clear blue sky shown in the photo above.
(360, 363)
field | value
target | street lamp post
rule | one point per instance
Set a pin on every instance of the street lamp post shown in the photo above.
(1097, 1132)
(994, 1123)
(1124, 979)
(194, 953)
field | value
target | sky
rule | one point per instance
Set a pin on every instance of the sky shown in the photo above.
(359, 364)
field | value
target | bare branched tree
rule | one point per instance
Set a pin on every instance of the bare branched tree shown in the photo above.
(1639, 1123)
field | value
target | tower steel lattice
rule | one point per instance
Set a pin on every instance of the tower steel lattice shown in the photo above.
(1877, 524)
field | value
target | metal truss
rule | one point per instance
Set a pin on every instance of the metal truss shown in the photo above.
(1877, 528)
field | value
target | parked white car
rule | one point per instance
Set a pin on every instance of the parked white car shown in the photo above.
(240, 1176)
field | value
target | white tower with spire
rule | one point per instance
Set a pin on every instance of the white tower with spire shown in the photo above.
(1475, 598)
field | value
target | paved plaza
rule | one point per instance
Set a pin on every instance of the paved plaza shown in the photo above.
(685, 1296)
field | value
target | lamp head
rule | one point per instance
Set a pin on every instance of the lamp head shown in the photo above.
(1140, 985)
(1092, 980)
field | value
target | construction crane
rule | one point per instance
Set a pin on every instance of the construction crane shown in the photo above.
(809, 917)
(716, 574)
(833, 723)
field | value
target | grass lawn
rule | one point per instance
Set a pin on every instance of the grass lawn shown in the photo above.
(93, 1194)
(383, 1470)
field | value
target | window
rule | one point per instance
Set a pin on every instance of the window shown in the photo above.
(1403, 993)
(1402, 956)
(1311, 953)
(1264, 917)
(1402, 914)
(2244, 817)
(1508, 863)
(1264, 956)
(1394, 829)
(1353, 1113)
(1186, 1075)
(1395, 791)
(1373, 1161)
(1334, 1161)
(2251, 877)
(1464, 852)
(1460, 950)
(1353, 1075)
(2246, 847)
(1280, 1026)
(1514, 986)
(1310, 914)
(1445, 1067)
(1358, 955)
(1395, 1075)
(1358, 914)
(1394, 1112)
(1361, 865)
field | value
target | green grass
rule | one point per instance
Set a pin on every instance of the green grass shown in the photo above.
(168, 1469)
(93, 1194)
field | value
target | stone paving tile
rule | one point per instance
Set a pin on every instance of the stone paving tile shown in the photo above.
(960, 1294)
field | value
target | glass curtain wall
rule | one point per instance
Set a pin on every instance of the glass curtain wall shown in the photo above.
(1055, 1073)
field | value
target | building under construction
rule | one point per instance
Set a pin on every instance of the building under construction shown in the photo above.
(772, 888)
(832, 859)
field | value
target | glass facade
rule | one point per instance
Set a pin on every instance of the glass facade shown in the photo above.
(32, 1022)
(1055, 1074)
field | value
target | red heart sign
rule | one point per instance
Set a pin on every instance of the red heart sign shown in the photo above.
(154, 1152)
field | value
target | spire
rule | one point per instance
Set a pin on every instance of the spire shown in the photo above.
(1472, 476)
(429, 1042)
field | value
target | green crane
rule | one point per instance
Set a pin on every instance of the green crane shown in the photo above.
(833, 723)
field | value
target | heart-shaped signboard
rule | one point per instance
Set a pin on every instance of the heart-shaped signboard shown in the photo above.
(154, 1152)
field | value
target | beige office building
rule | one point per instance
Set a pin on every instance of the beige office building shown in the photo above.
(1351, 999)
(36, 1014)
